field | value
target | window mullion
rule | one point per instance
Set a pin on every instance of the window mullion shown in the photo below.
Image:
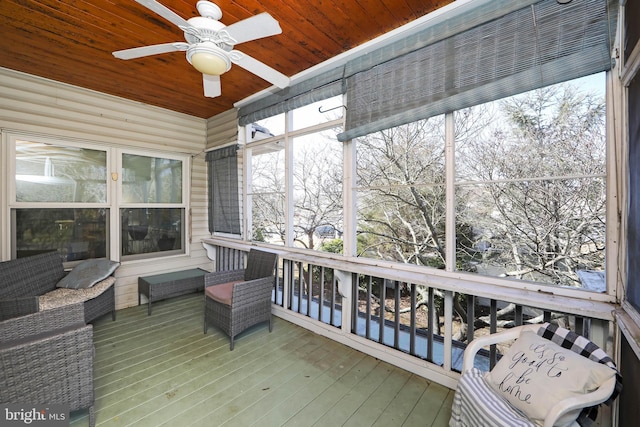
(114, 164)
(288, 173)
(450, 221)
(349, 199)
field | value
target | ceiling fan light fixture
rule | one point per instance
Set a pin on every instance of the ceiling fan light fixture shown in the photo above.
(208, 60)
(210, 44)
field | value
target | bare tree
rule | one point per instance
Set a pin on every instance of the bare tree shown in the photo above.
(401, 199)
(541, 214)
(401, 177)
(530, 193)
(317, 191)
(267, 196)
(317, 177)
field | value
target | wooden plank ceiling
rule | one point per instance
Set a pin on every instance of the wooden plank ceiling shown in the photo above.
(71, 41)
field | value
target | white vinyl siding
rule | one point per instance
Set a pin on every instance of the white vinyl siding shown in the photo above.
(30, 105)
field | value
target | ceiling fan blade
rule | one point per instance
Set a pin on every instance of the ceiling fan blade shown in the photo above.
(256, 27)
(211, 85)
(138, 52)
(260, 69)
(165, 12)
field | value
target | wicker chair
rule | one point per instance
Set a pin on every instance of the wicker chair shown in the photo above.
(238, 299)
(47, 358)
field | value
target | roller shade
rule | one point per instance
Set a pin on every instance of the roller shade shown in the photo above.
(332, 83)
(539, 45)
(224, 206)
(307, 92)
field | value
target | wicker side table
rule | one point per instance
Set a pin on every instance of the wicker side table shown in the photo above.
(168, 285)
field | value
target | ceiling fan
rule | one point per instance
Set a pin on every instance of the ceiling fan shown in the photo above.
(210, 44)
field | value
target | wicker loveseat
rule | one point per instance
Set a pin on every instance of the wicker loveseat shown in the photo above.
(30, 284)
(46, 358)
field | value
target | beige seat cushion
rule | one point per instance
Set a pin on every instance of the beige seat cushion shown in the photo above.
(222, 292)
(62, 296)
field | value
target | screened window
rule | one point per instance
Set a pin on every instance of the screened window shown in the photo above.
(401, 193)
(267, 193)
(529, 197)
(266, 128)
(317, 113)
(61, 201)
(311, 186)
(317, 189)
(152, 213)
(531, 185)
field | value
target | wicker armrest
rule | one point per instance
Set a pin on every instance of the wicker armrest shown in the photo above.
(219, 277)
(40, 322)
(55, 368)
(14, 307)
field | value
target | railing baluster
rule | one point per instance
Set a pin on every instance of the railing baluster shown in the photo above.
(493, 318)
(518, 315)
(430, 322)
(276, 293)
(321, 297)
(396, 317)
(368, 308)
(580, 326)
(291, 284)
(300, 286)
(383, 298)
(309, 289)
(412, 331)
(471, 317)
(355, 293)
(334, 283)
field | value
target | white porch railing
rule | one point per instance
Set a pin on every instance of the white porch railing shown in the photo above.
(421, 325)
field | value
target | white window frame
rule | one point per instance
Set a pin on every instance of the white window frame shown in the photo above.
(114, 190)
(186, 167)
(286, 139)
(350, 200)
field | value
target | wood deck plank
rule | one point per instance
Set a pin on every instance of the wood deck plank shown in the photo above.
(379, 398)
(429, 406)
(344, 408)
(259, 398)
(442, 419)
(163, 370)
(188, 388)
(224, 397)
(403, 403)
(326, 389)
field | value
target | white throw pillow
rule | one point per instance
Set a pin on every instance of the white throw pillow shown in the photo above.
(535, 374)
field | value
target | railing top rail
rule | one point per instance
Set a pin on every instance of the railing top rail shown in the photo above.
(565, 300)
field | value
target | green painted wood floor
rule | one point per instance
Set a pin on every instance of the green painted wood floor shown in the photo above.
(161, 370)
